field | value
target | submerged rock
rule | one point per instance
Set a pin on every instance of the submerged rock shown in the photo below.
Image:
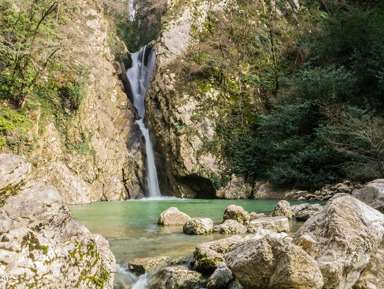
(207, 256)
(271, 262)
(347, 233)
(283, 208)
(198, 226)
(372, 194)
(140, 266)
(230, 227)
(303, 212)
(274, 224)
(236, 213)
(174, 278)
(173, 217)
(220, 278)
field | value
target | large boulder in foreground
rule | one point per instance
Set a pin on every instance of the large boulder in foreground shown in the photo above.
(42, 246)
(173, 217)
(220, 278)
(236, 213)
(198, 226)
(347, 232)
(283, 208)
(230, 227)
(207, 256)
(304, 211)
(372, 194)
(272, 262)
(174, 278)
(274, 224)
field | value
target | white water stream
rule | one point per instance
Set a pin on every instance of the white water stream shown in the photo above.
(138, 75)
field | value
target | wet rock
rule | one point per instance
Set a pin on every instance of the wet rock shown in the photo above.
(140, 266)
(198, 226)
(173, 217)
(176, 277)
(220, 278)
(230, 227)
(372, 194)
(236, 213)
(13, 170)
(303, 212)
(283, 208)
(43, 246)
(275, 224)
(207, 256)
(373, 275)
(271, 262)
(254, 215)
(347, 233)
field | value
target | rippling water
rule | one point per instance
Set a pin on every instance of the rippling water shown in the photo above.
(132, 231)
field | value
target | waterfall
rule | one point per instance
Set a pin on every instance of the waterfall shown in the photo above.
(138, 75)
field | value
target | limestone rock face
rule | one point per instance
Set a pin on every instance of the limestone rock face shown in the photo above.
(220, 278)
(283, 208)
(230, 227)
(373, 275)
(207, 256)
(347, 233)
(372, 194)
(304, 211)
(198, 226)
(13, 170)
(270, 262)
(43, 246)
(173, 217)
(141, 265)
(236, 188)
(174, 278)
(236, 213)
(274, 224)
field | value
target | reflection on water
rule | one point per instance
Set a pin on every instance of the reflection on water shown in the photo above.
(132, 231)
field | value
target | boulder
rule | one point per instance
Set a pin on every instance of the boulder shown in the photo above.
(283, 208)
(207, 256)
(237, 188)
(254, 215)
(271, 262)
(198, 226)
(304, 211)
(372, 194)
(236, 213)
(275, 224)
(140, 266)
(220, 278)
(346, 233)
(230, 227)
(373, 275)
(174, 278)
(42, 246)
(12, 170)
(173, 217)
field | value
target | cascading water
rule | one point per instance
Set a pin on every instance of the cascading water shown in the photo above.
(138, 75)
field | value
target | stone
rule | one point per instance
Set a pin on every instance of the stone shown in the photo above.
(230, 227)
(236, 188)
(275, 224)
(207, 256)
(140, 266)
(43, 246)
(198, 226)
(373, 275)
(254, 215)
(347, 232)
(220, 278)
(13, 170)
(236, 213)
(283, 208)
(271, 262)
(372, 194)
(174, 278)
(304, 211)
(305, 242)
(173, 217)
